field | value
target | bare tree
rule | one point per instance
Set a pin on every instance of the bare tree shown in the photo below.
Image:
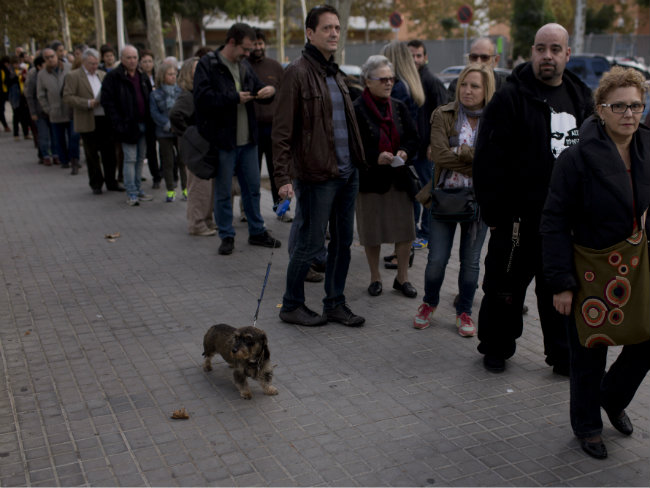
(579, 27)
(154, 28)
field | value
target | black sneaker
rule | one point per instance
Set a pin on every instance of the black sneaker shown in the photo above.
(302, 316)
(343, 315)
(227, 246)
(264, 239)
(494, 364)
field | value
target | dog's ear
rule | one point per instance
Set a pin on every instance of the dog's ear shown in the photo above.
(265, 348)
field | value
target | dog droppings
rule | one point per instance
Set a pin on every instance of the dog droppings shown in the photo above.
(180, 414)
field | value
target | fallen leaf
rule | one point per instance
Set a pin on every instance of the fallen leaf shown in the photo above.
(28, 332)
(180, 414)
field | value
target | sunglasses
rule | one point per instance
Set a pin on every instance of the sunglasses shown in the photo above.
(483, 57)
(385, 81)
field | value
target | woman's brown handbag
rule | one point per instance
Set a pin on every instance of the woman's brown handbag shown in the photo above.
(612, 304)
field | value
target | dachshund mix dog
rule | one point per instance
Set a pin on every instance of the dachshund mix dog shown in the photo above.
(246, 351)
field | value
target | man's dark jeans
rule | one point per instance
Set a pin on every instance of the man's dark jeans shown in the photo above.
(330, 201)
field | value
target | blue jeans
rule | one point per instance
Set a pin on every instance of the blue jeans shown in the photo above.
(134, 155)
(319, 203)
(441, 239)
(65, 141)
(44, 144)
(424, 169)
(241, 161)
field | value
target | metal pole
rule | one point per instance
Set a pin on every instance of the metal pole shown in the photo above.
(120, 25)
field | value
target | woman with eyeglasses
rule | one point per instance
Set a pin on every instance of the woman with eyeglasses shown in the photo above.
(384, 206)
(453, 133)
(598, 197)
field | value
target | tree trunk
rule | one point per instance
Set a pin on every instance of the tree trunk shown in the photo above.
(279, 30)
(579, 27)
(154, 29)
(344, 13)
(100, 24)
(65, 26)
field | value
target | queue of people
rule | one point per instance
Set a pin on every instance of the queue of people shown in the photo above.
(540, 166)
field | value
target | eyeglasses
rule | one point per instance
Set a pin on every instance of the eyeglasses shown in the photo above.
(621, 108)
(483, 57)
(385, 81)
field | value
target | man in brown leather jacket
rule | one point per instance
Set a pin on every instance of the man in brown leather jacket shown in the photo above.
(316, 142)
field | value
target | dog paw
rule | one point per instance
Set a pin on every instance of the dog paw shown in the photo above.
(271, 390)
(246, 395)
(207, 367)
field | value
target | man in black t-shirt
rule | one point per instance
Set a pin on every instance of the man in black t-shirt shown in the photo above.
(524, 128)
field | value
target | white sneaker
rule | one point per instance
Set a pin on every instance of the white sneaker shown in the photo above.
(465, 324)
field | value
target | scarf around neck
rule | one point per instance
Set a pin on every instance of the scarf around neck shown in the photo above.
(388, 134)
(331, 68)
(463, 113)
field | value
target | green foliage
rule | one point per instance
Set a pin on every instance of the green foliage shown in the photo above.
(598, 22)
(528, 16)
(449, 24)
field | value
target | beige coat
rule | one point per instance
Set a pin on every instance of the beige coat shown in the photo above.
(76, 93)
(443, 126)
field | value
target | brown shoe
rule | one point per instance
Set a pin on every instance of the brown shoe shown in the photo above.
(314, 277)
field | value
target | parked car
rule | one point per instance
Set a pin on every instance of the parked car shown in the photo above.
(449, 74)
(589, 68)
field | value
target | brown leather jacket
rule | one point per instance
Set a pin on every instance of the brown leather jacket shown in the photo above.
(303, 133)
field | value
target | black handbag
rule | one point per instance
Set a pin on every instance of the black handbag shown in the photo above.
(198, 155)
(453, 204)
(408, 180)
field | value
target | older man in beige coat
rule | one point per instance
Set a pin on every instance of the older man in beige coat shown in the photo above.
(82, 92)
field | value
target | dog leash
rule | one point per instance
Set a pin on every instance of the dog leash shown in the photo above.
(266, 279)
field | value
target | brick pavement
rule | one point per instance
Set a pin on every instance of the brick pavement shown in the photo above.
(100, 341)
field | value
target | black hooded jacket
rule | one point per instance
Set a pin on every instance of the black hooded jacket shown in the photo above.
(591, 201)
(513, 159)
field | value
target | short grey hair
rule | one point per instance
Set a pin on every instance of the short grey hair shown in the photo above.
(129, 46)
(374, 62)
(90, 52)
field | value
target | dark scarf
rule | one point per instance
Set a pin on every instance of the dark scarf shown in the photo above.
(388, 135)
(331, 68)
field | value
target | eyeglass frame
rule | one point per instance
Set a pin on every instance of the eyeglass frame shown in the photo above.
(483, 57)
(610, 105)
(385, 80)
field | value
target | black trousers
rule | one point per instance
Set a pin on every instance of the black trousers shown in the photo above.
(264, 149)
(155, 168)
(592, 388)
(99, 145)
(500, 321)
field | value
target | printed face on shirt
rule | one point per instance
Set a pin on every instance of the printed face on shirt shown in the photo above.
(325, 37)
(91, 63)
(621, 126)
(471, 91)
(550, 54)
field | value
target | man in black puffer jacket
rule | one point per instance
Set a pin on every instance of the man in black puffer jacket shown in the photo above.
(525, 127)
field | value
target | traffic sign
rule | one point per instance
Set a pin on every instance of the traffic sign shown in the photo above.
(395, 20)
(465, 14)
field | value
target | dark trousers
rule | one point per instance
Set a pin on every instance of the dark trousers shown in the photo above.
(592, 388)
(21, 117)
(264, 149)
(168, 150)
(100, 143)
(424, 169)
(152, 155)
(3, 101)
(330, 201)
(500, 322)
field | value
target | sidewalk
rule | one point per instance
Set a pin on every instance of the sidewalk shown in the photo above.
(101, 341)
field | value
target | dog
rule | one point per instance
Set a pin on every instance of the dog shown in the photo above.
(244, 349)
